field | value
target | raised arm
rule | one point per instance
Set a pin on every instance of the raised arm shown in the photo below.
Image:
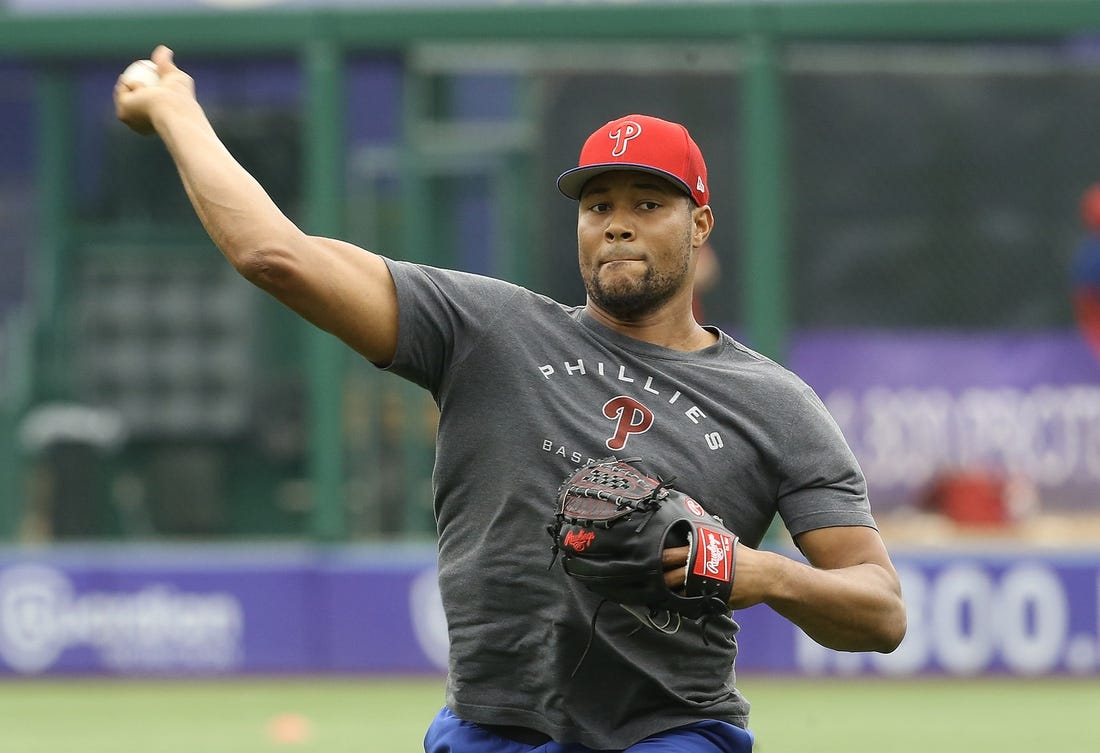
(337, 286)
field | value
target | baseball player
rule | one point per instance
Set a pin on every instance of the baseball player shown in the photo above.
(528, 390)
(1085, 272)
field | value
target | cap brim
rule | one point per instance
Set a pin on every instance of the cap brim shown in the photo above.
(571, 182)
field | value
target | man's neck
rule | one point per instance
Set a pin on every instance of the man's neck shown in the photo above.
(673, 329)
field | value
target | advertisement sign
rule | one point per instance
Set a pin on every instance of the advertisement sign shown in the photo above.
(967, 615)
(204, 612)
(914, 407)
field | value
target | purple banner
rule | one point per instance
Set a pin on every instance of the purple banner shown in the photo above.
(212, 610)
(1035, 614)
(216, 611)
(919, 407)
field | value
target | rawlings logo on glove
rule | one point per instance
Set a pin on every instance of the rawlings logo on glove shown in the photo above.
(578, 541)
(612, 525)
(714, 558)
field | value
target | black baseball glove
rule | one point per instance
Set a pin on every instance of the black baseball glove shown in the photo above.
(613, 523)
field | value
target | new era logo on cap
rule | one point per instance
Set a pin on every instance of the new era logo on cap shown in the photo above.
(645, 143)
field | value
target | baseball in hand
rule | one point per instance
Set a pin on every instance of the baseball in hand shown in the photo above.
(141, 71)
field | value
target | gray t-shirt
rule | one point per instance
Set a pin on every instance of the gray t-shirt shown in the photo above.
(529, 389)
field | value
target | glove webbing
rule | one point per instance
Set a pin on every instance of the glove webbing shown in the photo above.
(648, 505)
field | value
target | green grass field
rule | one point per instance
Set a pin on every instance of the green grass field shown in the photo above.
(389, 715)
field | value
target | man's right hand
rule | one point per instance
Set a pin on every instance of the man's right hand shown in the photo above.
(135, 102)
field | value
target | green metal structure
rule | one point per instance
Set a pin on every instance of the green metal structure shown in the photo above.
(321, 41)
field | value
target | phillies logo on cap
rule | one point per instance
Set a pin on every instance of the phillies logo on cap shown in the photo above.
(622, 135)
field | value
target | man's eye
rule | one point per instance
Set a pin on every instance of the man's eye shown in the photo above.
(649, 205)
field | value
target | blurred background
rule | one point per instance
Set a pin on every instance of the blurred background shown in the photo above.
(193, 481)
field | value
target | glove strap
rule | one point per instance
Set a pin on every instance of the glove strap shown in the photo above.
(591, 636)
(669, 626)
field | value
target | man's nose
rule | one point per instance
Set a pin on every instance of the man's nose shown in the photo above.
(618, 229)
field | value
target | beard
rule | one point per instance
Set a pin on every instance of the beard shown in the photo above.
(631, 298)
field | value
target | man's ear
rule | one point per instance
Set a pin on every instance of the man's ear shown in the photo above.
(703, 218)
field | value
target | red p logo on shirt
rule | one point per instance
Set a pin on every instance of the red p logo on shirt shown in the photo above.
(630, 417)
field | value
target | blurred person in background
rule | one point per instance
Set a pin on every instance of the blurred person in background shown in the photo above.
(1085, 271)
(520, 380)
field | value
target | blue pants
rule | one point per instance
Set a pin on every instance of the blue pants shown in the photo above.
(449, 734)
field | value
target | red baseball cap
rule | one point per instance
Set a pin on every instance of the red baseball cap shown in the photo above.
(645, 143)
